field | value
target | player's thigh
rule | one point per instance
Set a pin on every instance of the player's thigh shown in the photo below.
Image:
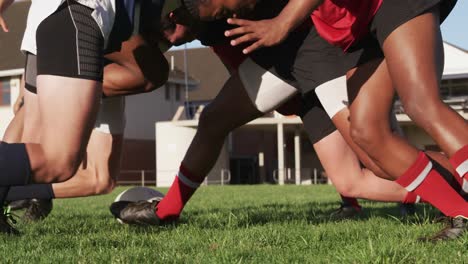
(67, 115)
(70, 48)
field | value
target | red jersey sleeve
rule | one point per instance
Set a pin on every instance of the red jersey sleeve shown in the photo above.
(342, 22)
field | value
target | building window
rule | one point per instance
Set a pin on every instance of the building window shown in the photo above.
(5, 94)
(454, 88)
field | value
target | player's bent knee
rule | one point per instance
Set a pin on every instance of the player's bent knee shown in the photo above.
(104, 186)
(365, 136)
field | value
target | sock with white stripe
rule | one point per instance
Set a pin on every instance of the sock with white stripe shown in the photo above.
(422, 179)
(184, 186)
(460, 162)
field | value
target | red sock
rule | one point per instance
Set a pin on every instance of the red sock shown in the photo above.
(426, 182)
(351, 201)
(459, 161)
(183, 187)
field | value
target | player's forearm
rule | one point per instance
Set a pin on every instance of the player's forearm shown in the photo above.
(296, 11)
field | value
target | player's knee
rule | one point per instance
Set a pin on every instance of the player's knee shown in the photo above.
(364, 135)
(104, 186)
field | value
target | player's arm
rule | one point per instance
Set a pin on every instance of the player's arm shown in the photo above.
(136, 68)
(4, 4)
(270, 32)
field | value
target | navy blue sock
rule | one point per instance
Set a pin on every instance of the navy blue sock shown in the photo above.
(14, 165)
(38, 191)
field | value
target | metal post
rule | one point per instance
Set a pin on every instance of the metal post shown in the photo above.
(222, 177)
(280, 131)
(315, 176)
(143, 178)
(297, 156)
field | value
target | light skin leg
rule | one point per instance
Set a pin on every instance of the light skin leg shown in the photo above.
(67, 109)
(98, 172)
(348, 177)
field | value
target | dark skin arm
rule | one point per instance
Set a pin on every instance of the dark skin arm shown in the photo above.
(136, 68)
(270, 32)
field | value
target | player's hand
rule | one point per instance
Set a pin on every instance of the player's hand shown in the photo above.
(263, 33)
(4, 4)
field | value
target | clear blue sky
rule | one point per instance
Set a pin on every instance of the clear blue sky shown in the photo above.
(454, 29)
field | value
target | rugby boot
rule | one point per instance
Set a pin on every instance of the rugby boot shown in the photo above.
(19, 204)
(440, 218)
(38, 209)
(142, 213)
(345, 212)
(6, 224)
(456, 228)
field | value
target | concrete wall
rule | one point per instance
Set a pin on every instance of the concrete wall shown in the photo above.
(144, 110)
(172, 142)
(6, 112)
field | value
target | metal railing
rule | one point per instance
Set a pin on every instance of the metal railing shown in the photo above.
(149, 177)
(308, 176)
(141, 177)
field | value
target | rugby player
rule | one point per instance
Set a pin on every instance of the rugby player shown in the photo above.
(404, 50)
(70, 80)
(253, 98)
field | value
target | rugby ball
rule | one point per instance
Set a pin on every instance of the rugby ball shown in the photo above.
(136, 194)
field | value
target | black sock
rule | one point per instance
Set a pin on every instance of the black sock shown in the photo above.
(38, 191)
(3, 194)
(14, 164)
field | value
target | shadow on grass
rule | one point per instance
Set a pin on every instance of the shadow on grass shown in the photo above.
(238, 217)
(311, 212)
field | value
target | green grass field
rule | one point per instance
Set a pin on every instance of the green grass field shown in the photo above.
(234, 224)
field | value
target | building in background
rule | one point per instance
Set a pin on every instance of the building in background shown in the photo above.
(161, 124)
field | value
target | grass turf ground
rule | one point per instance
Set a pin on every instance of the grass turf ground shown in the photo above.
(234, 224)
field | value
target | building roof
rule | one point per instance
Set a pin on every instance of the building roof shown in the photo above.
(204, 66)
(10, 55)
(456, 62)
(178, 77)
